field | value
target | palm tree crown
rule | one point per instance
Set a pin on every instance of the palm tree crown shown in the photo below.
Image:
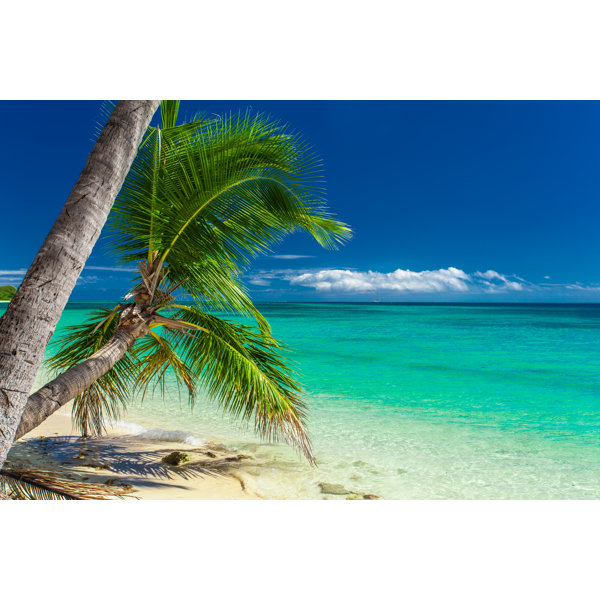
(200, 201)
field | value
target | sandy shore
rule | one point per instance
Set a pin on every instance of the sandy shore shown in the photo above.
(125, 463)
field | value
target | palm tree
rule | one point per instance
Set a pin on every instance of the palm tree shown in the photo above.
(34, 311)
(201, 199)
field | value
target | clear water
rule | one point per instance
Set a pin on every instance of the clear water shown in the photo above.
(425, 401)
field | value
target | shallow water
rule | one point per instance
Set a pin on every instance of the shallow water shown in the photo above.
(424, 401)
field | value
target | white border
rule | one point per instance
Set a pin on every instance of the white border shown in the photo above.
(314, 49)
(430, 49)
(295, 549)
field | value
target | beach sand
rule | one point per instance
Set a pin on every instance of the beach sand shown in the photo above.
(125, 463)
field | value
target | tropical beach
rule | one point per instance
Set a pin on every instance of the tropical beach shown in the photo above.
(410, 420)
(194, 202)
(230, 338)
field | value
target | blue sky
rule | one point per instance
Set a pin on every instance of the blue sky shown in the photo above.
(449, 201)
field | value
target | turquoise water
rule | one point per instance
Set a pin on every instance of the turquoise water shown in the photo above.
(425, 401)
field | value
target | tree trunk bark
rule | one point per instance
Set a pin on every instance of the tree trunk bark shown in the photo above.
(75, 380)
(31, 317)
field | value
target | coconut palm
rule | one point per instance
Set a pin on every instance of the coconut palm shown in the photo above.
(200, 201)
(34, 311)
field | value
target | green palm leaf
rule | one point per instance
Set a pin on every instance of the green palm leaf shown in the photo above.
(201, 200)
(105, 399)
(210, 197)
(155, 358)
(244, 371)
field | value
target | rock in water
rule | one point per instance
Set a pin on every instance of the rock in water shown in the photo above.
(176, 458)
(333, 488)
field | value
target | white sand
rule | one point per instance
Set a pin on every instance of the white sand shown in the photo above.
(213, 472)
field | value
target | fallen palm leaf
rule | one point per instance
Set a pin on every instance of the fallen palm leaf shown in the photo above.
(38, 484)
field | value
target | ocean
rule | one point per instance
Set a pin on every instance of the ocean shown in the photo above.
(420, 401)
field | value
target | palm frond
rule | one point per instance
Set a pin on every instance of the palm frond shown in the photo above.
(200, 201)
(39, 484)
(105, 399)
(169, 110)
(225, 191)
(243, 370)
(155, 358)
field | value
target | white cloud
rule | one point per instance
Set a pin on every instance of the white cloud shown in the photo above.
(495, 282)
(114, 269)
(13, 272)
(259, 281)
(290, 256)
(12, 276)
(87, 279)
(18, 274)
(489, 274)
(15, 276)
(335, 280)
(451, 282)
(263, 276)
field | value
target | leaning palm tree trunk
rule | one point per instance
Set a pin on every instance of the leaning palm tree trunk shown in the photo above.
(77, 379)
(35, 310)
(134, 321)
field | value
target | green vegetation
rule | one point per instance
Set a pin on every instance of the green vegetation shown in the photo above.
(7, 292)
(200, 201)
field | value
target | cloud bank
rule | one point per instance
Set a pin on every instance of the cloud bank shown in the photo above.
(400, 280)
(15, 276)
(290, 256)
(12, 276)
(449, 283)
(113, 269)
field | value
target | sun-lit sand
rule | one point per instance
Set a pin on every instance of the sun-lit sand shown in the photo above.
(121, 462)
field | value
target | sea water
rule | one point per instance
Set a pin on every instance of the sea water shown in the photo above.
(420, 401)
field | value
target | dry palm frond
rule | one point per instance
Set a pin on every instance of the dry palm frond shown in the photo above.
(38, 484)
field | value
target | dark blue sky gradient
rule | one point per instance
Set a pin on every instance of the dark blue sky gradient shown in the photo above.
(509, 186)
